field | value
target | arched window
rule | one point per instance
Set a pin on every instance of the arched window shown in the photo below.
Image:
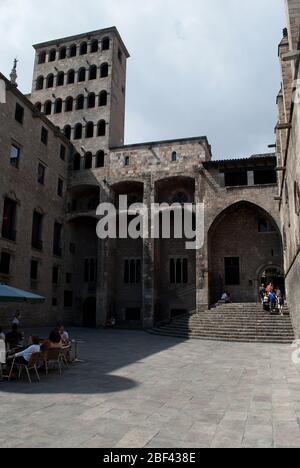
(93, 72)
(91, 100)
(40, 83)
(78, 132)
(126, 161)
(38, 105)
(71, 76)
(80, 102)
(174, 156)
(42, 57)
(100, 159)
(76, 162)
(102, 128)
(58, 106)
(94, 46)
(48, 108)
(89, 131)
(105, 43)
(67, 131)
(50, 80)
(62, 53)
(60, 79)
(104, 70)
(69, 104)
(103, 98)
(88, 161)
(73, 50)
(83, 48)
(52, 55)
(81, 75)
(263, 225)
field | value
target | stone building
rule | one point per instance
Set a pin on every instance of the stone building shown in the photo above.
(33, 183)
(288, 150)
(79, 85)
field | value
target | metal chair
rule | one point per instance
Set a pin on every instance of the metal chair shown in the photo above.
(32, 365)
(2, 357)
(65, 354)
(53, 355)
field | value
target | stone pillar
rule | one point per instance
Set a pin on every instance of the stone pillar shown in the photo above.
(250, 178)
(105, 268)
(202, 287)
(148, 261)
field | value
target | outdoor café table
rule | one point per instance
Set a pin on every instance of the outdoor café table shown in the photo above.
(77, 343)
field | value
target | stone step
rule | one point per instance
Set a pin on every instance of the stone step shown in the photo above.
(229, 332)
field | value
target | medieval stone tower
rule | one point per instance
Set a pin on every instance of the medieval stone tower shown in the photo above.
(79, 83)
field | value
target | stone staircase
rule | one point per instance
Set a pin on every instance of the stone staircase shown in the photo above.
(232, 322)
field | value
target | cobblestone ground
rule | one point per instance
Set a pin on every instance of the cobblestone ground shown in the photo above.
(139, 390)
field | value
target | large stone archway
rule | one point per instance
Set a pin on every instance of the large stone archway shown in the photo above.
(242, 241)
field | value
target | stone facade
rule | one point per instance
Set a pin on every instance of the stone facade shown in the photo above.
(139, 282)
(288, 147)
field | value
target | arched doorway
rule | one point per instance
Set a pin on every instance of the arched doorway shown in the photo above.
(274, 275)
(89, 313)
(241, 239)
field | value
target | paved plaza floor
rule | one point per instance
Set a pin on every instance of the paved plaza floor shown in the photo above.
(141, 390)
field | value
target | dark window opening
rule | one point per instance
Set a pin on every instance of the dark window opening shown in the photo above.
(178, 271)
(44, 136)
(60, 187)
(100, 159)
(102, 128)
(93, 72)
(88, 161)
(103, 98)
(235, 179)
(133, 314)
(73, 50)
(71, 77)
(34, 270)
(127, 161)
(38, 105)
(120, 55)
(37, 227)
(58, 106)
(19, 113)
(174, 156)
(94, 46)
(78, 132)
(55, 275)
(50, 81)
(104, 70)
(69, 104)
(80, 102)
(68, 299)
(42, 57)
(89, 132)
(265, 177)
(106, 43)
(62, 53)
(62, 153)
(132, 271)
(76, 162)
(9, 219)
(52, 55)
(232, 271)
(57, 249)
(81, 75)
(41, 174)
(67, 132)
(90, 270)
(60, 79)
(83, 48)
(91, 100)
(40, 83)
(15, 154)
(5, 263)
(48, 108)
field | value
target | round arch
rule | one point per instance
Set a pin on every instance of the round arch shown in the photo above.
(238, 251)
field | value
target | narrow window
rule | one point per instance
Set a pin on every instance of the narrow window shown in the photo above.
(73, 50)
(48, 108)
(62, 152)
(103, 98)
(232, 271)
(60, 187)
(5, 260)
(50, 81)
(78, 132)
(38, 105)
(37, 226)
(42, 57)
(81, 75)
(88, 161)
(41, 174)
(67, 132)
(69, 104)
(104, 70)
(120, 55)
(62, 53)
(102, 128)
(94, 46)
(55, 275)
(60, 79)
(9, 219)
(34, 269)
(89, 132)
(52, 55)
(44, 136)
(263, 225)
(126, 161)
(71, 77)
(80, 102)
(58, 106)
(106, 43)
(39, 83)
(15, 153)
(91, 100)
(174, 156)
(83, 48)
(57, 250)
(19, 113)
(93, 72)
(68, 299)
(100, 159)
(76, 162)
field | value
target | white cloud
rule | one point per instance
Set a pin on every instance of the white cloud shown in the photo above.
(197, 67)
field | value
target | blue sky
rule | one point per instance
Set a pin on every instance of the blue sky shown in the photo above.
(198, 67)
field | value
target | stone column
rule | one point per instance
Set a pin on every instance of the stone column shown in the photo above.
(105, 268)
(202, 286)
(148, 261)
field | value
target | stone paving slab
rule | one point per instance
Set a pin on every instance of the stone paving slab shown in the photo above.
(140, 390)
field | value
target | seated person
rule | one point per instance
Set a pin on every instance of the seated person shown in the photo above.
(63, 334)
(226, 298)
(54, 342)
(14, 337)
(24, 356)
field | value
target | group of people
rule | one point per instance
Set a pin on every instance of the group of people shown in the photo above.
(58, 338)
(272, 299)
